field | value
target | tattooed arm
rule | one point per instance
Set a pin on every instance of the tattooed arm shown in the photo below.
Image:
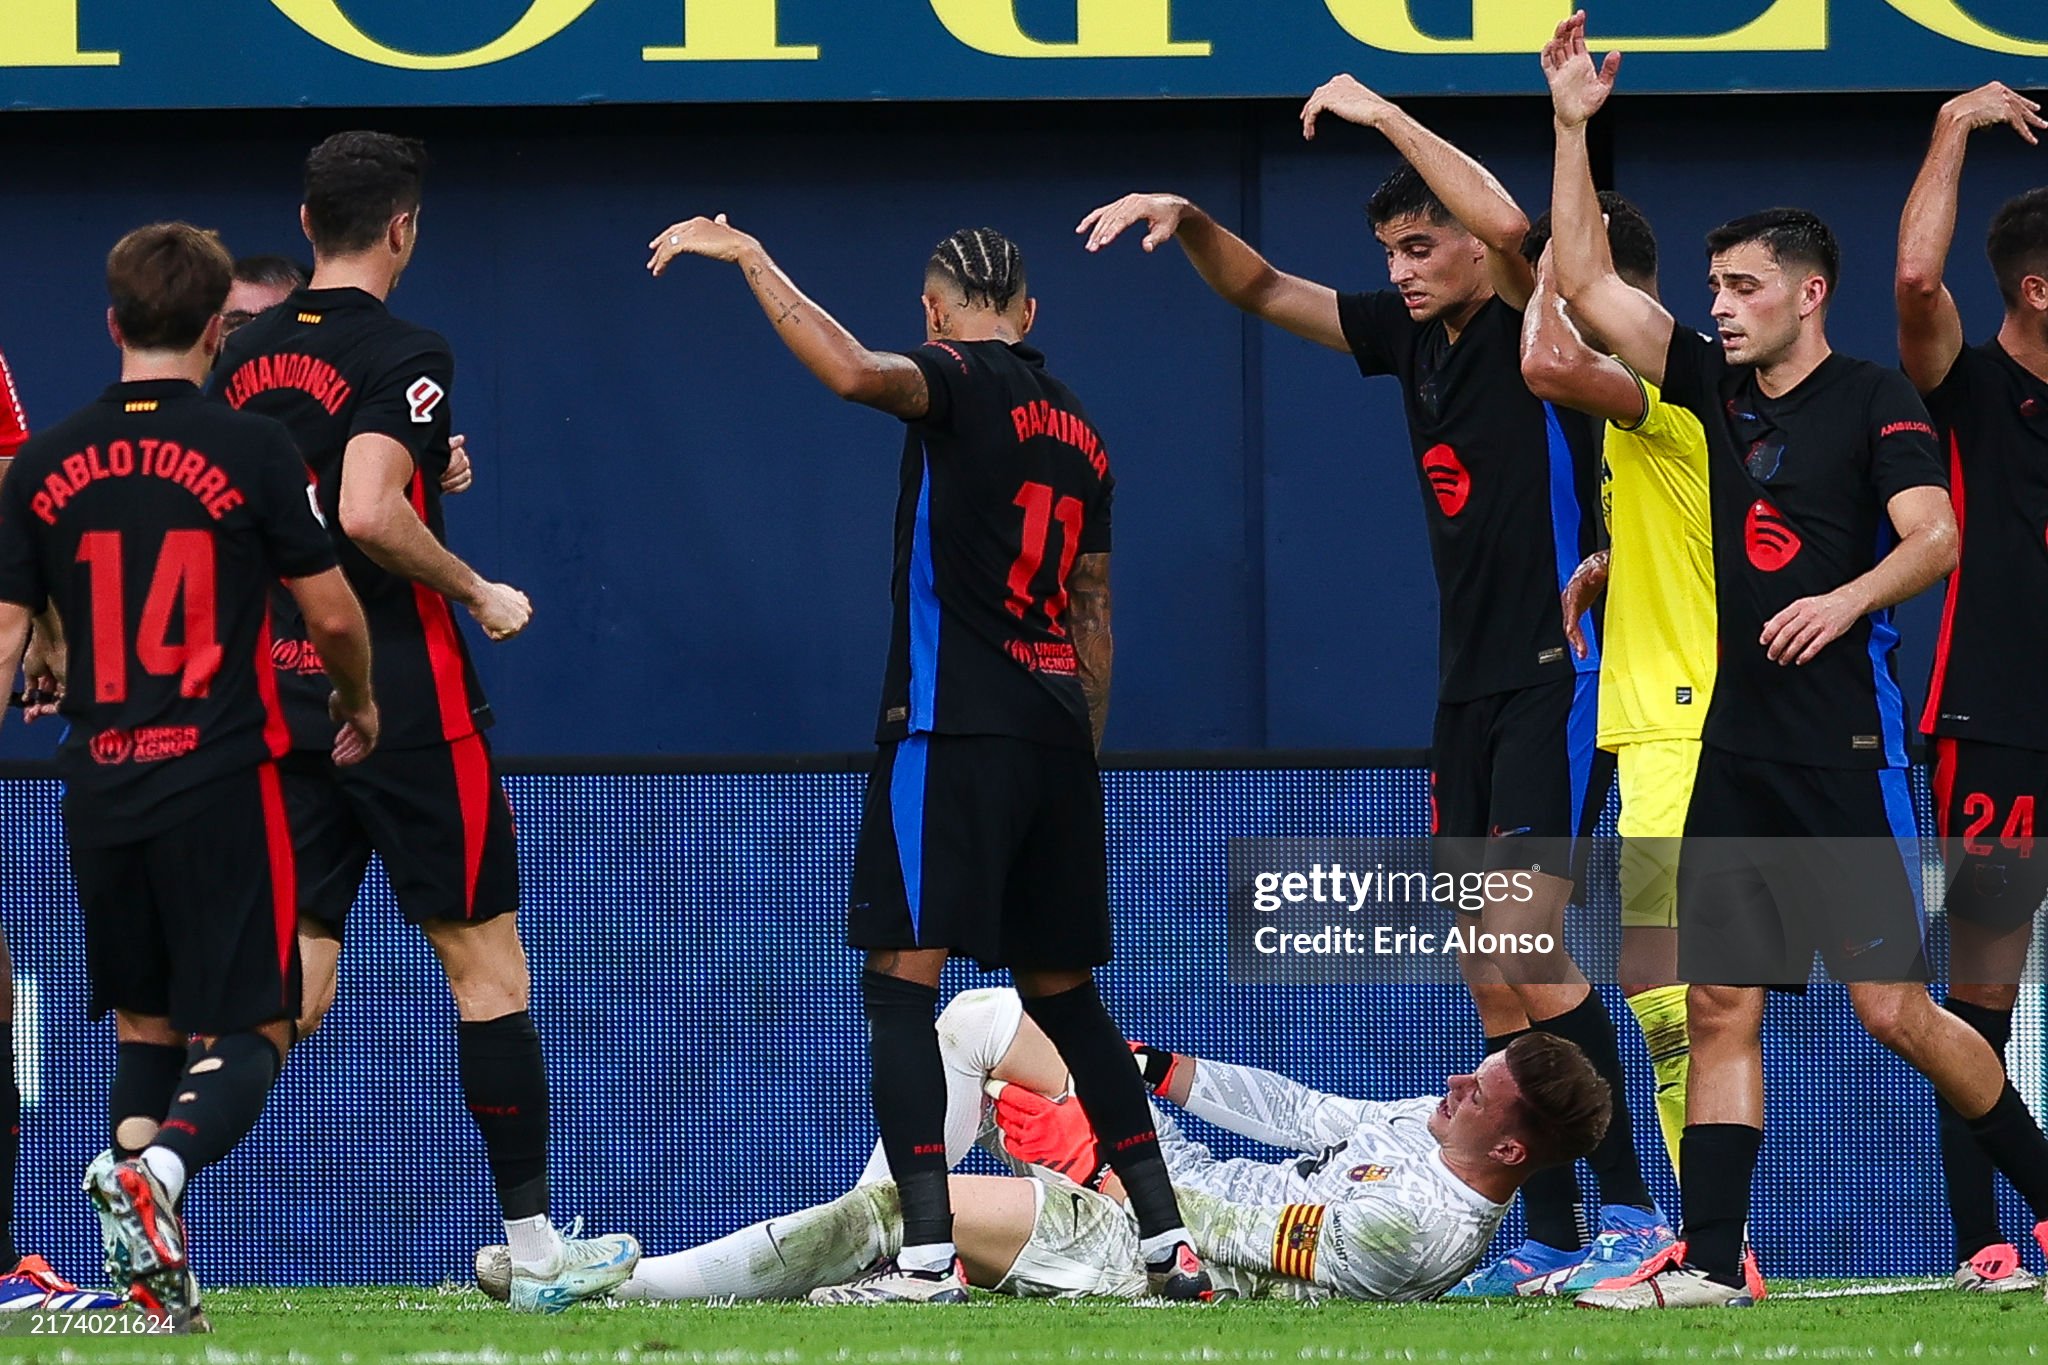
(1088, 620)
(875, 378)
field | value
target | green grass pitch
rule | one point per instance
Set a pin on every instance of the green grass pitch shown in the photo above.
(355, 1326)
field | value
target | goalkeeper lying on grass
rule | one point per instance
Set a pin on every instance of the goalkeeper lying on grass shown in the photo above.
(1391, 1201)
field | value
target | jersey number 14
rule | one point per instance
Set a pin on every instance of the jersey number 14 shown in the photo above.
(183, 577)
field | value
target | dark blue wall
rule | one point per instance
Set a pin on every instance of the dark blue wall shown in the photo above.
(704, 530)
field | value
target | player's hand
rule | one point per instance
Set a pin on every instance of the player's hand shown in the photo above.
(1160, 213)
(501, 609)
(1996, 103)
(1046, 1132)
(711, 237)
(358, 735)
(458, 476)
(1578, 89)
(1801, 631)
(1581, 590)
(42, 675)
(1348, 100)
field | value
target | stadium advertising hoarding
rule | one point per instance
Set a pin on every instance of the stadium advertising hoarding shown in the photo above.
(123, 54)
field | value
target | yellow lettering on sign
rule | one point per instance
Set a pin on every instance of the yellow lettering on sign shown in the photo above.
(45, 33)
(730, 31)
(1104, 28)
(325, 21)
(1948, 18)
(1526, 25)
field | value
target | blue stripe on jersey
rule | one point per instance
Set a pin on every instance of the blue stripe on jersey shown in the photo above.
(1898, 813)
(1580, 733)
(1565, 516)
(1891, 703)
(906, 816)
(924, 614)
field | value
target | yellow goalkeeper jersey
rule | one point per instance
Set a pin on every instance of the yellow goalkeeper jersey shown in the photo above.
(1657, 670)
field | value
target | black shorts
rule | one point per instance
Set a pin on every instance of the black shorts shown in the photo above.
(985, 845)
(436, 816)
(1781, 861)
(1520, 771)
(1986, 797)
(198, 923)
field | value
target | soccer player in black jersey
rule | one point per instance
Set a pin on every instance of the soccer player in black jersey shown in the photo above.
(158, 524)
(982, 831)
(1800, 813)
(1510, 486)
(367, 397)
(1984, 713)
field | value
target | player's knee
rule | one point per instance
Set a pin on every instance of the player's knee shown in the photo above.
(1894, 1015)
(977, 1026)
(1718, 1014)
(485, 965)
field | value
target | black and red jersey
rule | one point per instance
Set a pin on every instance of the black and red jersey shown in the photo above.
(13, 417)
(334, 364)
(1800, 485)
(1992, 658)
(159, 523)
(1004, 483)
(1510, 490)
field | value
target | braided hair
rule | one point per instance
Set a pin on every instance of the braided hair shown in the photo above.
(982, 264)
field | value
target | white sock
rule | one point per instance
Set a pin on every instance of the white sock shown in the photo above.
(929, 1256)
(975, 1029)
(169, 1168)
(534, 1242)
(1160, 1245)
(783, 1258)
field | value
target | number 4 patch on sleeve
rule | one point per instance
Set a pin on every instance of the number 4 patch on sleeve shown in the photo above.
(424, 396)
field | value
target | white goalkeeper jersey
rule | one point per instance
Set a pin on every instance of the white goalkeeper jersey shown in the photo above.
(1369, 1210)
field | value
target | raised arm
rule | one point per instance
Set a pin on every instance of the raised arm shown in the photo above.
(1634, 325)
(1559, 367)
(877, 379)
(376, 515)
(1088, 623)
(1930, 328)
(1470, 191)
(1229, 264)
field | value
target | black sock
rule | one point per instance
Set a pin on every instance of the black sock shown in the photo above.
(146, 1076)
(1550, 1198)
(505, 1085)
(10, 1144)
(1112, 1093)
(2013, 1141)
(1717, 1163)
(1614, 1161)
(219, 1098)
(909, 1088)
(1965, 1168)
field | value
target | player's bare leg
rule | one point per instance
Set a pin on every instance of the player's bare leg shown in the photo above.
(1985, 963)
(1723, 1134)
(1968, 1075)
(505, 1084)
(319, 973)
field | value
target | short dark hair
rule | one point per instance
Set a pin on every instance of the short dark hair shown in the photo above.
(1630, 238)
(983, 264)
(1793, 237)
(273, 272)
(2018, 245)
(355, 183)
(167, 281)
(1565, 1105)
(1404, 194)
